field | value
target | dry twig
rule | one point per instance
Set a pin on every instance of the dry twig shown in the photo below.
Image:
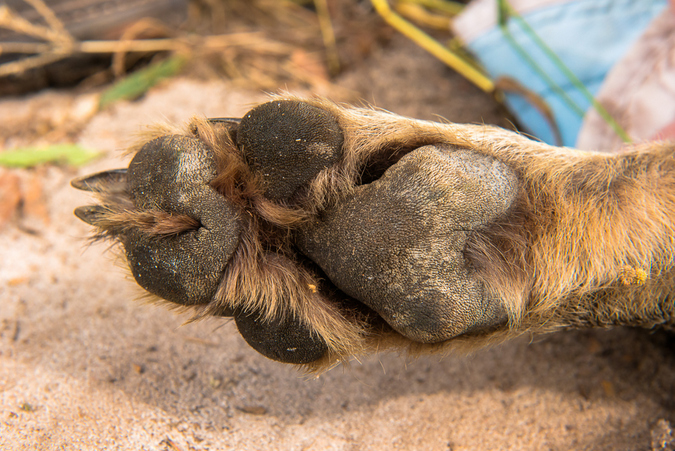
(278, 55)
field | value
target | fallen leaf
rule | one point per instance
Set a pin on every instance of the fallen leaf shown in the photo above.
(138, 83)
(26, 157)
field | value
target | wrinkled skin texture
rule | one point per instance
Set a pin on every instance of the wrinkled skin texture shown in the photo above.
(396, 244)
(328, 232)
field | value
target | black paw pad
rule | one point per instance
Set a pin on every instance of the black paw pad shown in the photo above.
(172, 174)
(287, 341)
(289, 143)
(397, 244)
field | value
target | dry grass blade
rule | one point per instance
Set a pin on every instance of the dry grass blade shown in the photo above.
(54, 23)
(456, 62)
(48, 54)
(136, 30)
(328, 36)
(24, 47)
(61, 41)
(288, 51)
(142, 80)
(14, 22)
(418, 14)
(17, 67)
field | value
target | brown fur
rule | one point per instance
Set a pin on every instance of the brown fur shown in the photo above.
(589, 242)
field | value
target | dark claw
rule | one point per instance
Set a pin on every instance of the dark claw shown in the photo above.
(225, 120)
(91, 214)
(113, 182)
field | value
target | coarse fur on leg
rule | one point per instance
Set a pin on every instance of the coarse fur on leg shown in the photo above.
(588, 241)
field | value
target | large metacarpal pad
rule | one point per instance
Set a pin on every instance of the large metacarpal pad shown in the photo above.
(397, 243)
(172, 174)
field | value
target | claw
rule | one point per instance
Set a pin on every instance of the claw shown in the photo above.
(225, 120)
(113, 182)
(91, 214)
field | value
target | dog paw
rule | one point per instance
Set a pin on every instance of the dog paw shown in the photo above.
(221, 218)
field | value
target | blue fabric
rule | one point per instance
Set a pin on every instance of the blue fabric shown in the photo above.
(589, 36)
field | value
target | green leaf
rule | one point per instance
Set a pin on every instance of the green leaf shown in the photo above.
(138, 83)
(26, 157)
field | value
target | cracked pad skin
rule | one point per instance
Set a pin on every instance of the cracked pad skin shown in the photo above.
(397, 243)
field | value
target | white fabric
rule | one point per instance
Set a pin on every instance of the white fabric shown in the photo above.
(479, 16)
(639, 91)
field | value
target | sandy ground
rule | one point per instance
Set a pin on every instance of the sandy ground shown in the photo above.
(85, 366)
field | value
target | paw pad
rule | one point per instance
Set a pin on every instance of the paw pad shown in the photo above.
(289, 143)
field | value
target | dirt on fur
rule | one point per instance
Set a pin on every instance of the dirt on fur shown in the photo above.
(85, 364)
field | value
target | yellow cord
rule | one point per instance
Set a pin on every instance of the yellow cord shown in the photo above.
(432, 46)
